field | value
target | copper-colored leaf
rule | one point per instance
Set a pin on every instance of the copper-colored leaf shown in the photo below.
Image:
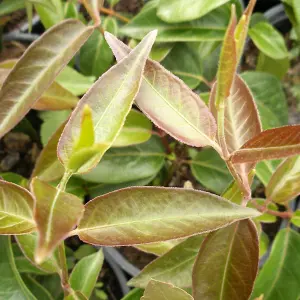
(110, 100)
(56, 214)
(169, 103)
(140, 215)
(241, 121)
(16, 206)
(48, 168)
(270, 144)
(227, 263)
(157, 290)
(37, 68)
(285, 182)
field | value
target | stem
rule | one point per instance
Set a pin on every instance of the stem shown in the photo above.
(111, 12)
(281, 214)
(64, 276)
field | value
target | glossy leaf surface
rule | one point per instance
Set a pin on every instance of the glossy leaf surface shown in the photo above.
(130, 216)
(210, 27)
(110, 100)
(174, 267)
(95, 55)
(270, 144)
(210, 170)
(169, 103)
(227, 263)
(11, 284)
(268, 40)
(37, 68)
(85, 274)
(56, 214)
(281, 269)
(129, 163)
(48, 168)
(163, 291)
(27, 244)
(137, 129)
(285, 182)
(181, 10)
(16, 209)
(265, 169)
(269, 98)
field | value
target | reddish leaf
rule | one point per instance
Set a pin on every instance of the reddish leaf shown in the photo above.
(270, 144)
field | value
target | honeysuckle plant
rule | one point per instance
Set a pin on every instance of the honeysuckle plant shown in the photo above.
(216, 236)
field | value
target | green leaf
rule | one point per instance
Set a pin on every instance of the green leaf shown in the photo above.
(48, 168)
(29, 12)
(163, 291)
(188, 67)
(276, 67)
(27, 244)
(75, 296)
(83, 251)
(296, 218)
(126, 164)
(56, 98)
(210, 170)
(95, 190)
(265, 217)
(16, 206)
(11, 283)
(85, 274)
(134, 294)
(159, 248)
(56, 214)
(178, 116)
(15, 178)
(174, 267)
(137, 129)
(52, 120)
(50, 15)
(110, 100)
(269, 97)
(74, 82)
(95, 56)
(70, 10)
(37, 69)
(160, 51)
(281, 269)
(227, 263)
(265, 169)
(263, 244)
(36, 288)
(173, 11)
(284, 185)
(150, 214)
(9, 6)
(268, 40)
(210, 27)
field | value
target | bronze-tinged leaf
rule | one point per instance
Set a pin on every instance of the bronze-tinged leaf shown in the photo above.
(169, 103)
(56, 97)
(93, 8)
(228, 62)
(241, 121)
(157, 290)
(270, 144)
(48, 168)
(285, 182)
(141, 215)
(16, 209)
(56, 213)
(110, 100)
(37, 69)
(227, 263)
